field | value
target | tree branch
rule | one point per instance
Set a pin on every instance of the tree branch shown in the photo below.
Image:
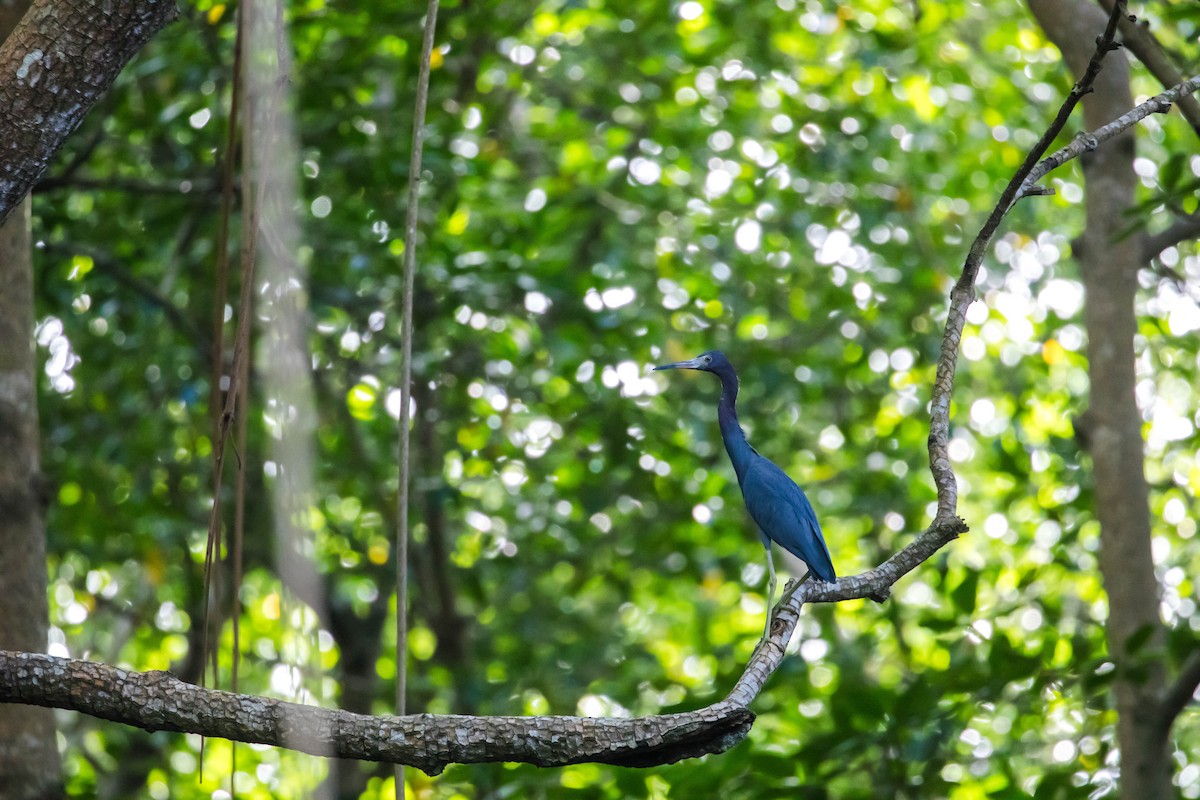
(963, 293)
(1180, 693)
(1138, 39)
(158, 701)
(1089, 141)
(55, 65)
(1181, 230)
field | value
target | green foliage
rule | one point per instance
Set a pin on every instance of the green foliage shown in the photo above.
(610, 186)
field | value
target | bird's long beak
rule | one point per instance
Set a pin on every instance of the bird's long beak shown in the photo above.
(691, 363)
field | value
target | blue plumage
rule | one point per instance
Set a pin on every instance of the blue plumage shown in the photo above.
(776, 504)
(783, 514)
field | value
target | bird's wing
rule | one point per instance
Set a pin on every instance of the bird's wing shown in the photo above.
(781, 510)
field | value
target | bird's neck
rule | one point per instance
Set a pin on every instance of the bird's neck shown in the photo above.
(740, 451)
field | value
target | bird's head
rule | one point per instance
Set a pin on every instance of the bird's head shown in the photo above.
(710, 361)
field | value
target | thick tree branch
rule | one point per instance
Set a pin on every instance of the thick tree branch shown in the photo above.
(53, 69)
(159, 701)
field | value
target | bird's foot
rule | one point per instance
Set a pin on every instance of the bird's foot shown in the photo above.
(788, 591)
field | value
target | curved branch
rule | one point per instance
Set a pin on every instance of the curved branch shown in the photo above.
(55, 65)
(964, 290)
(158, 701)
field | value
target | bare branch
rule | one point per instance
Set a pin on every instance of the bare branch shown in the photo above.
(406, 335)
(1138, 39)
(1086, 142)
(159, 701)
(963, 293)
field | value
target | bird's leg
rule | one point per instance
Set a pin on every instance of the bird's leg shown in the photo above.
(787, 593)
(770, 593)
(791, 590)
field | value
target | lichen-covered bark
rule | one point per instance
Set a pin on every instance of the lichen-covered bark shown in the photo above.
(58, 61)
(1109, 265)
(158, 701)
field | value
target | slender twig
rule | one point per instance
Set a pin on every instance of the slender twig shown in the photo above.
(1087, 142)
(215, 405)
(410, 253)
(226, 211)
(963, 293)
(239, 538)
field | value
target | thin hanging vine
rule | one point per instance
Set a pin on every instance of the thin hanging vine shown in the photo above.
(410, 259)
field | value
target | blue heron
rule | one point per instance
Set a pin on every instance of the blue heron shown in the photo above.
(776, 504)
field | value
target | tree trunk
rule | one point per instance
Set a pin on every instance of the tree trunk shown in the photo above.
(1108, 266)
(56, 59)
(29, 761)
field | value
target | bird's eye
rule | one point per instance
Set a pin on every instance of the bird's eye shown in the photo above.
(707, 359)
